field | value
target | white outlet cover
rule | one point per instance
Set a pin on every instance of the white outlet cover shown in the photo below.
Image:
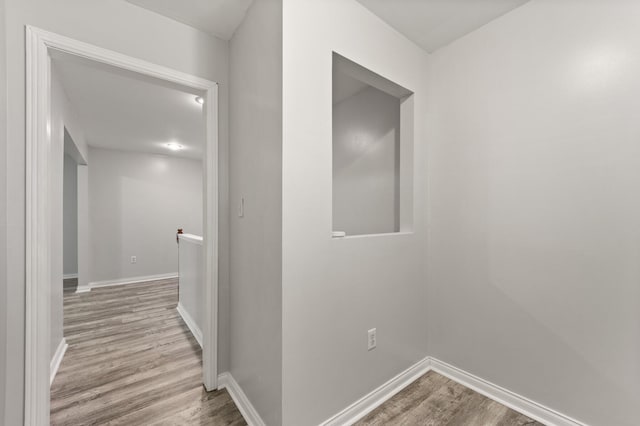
(372, 340)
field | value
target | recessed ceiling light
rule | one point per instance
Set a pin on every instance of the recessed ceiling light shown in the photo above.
(174, 146)
(200, 100)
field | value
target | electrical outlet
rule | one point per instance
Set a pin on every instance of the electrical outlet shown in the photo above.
(371, 339)
(134, 259)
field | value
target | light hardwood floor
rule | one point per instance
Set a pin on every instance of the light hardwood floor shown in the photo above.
(132, 361)
(437, 401)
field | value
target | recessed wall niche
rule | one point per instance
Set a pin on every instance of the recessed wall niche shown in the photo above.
(372, 152)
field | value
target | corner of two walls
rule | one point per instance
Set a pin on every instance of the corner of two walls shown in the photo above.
(255, 171)
(534, 172)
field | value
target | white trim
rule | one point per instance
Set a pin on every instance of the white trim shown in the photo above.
(196, 239)
(40, 45)
(38, 230)
(83, 289)
(377, 397)
(210, 246)
(57, 359)
(69, 276)
(124, 281)
(504, 396)
(251, 416)
(132, 280)
(189, 321)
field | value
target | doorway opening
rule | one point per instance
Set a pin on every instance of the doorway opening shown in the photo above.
(43, 50)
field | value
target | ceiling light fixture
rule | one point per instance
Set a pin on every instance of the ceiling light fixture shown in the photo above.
(200, 100)
(174, 146)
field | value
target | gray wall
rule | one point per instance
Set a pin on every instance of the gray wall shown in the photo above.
(366, 146)
(534, 210)
(256, 238)
(334, 290)
(3, 209)
(66, 136)
(70, 216)
(136, 203)
(138, 33)
(60, 114)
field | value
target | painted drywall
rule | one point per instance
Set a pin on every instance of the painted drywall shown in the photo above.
(66, 135)
(256, 238)
(84, 231)
(70, 217)
(137, 201)
(65, 131)
(131, 30)
(3, 211)
(334, 290)
(534, 212)
(366, 148)
(59, 116)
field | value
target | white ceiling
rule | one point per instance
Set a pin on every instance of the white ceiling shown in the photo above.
(219, 18)
(126, 111)
(435, 23)
(121, 110)
(429, 23)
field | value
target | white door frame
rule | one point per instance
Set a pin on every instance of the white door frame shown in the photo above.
(40, 44)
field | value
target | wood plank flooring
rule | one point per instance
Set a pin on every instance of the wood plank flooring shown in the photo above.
(435, 400)
(132, 361)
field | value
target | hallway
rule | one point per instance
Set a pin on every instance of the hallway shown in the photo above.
(132, 360)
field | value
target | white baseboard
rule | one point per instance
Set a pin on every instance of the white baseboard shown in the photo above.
(377, 397)
(123, 281)
(251, 416)
(188, 319)
(504, 396)
(69, 276)
(369, 402)
(57, 359)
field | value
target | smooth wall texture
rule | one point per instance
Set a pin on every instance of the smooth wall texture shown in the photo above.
(534, 210)
(58, 119)
(70, 217)
(137, 201)
(3, 211)
(334, 290)
(138, 33)
(84, 231)
(366, 148)
(65, 130)
(256, 238)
